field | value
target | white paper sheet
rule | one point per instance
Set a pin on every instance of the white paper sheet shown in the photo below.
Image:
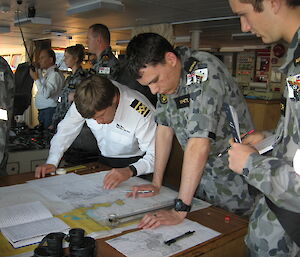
(23, 213)
(150, 243)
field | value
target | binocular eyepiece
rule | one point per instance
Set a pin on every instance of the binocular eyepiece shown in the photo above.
(79, 245)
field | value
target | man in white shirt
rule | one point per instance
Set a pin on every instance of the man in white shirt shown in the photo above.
(122, 121)
(48, 86)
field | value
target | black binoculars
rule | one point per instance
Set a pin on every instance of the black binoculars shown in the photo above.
(79, 245)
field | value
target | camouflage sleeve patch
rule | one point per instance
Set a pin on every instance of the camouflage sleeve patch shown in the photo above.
(140, 107)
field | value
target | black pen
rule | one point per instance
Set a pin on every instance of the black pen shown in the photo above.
(175, 239)
(226, 150)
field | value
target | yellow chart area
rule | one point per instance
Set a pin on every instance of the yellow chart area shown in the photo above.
(76, 218)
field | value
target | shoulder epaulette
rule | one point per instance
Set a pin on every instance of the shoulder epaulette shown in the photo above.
(190, 65)
(297, 56)
(140, 107)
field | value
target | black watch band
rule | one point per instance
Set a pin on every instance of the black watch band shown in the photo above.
(181, 206)
(133, 169)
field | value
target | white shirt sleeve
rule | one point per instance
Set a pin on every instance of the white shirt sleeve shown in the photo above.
(50, 85)
(145, 133)
(67, 130)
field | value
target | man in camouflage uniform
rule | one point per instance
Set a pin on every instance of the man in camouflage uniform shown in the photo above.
(7, 87)
(98, 40)
(276, 176)
(192, 88)
(85, 148)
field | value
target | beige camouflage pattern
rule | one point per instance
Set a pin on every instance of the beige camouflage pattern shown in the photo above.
(204, 117)
(276, 178)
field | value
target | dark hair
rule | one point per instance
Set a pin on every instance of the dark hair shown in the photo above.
(258, 6)
(51, 54)
(102, 31)
(146, 48)
(76, 51)
(94, 94)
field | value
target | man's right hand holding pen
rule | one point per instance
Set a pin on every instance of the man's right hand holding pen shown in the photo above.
(239, 152)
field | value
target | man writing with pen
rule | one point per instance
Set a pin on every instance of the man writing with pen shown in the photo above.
(192, 88)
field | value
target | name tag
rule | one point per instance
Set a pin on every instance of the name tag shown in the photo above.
(104, 70)
(3, 114)
(296, 162)
(182, 101)
(1, 76)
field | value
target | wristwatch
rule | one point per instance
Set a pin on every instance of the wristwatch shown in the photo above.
(133, 169)
(181, 206)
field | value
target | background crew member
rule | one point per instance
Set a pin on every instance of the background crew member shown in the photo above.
(98, 41)
(48, 86)
(122, 121)
(276, 176)
(7, 88)
(73, 58)
(192, 88)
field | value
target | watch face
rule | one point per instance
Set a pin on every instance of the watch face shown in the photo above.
(181, 206)
(178, 204)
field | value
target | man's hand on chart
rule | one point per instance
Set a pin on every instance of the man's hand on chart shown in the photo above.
(116, 176)
(162, 217)
(42, 170)
(146, 190)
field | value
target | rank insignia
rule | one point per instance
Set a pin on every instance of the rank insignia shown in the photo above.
(183, 101)
(282, 106)
(163, 99)
(140, 108)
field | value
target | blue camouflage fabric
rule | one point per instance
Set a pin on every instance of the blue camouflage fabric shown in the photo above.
(7, 89)
(63, 103)
(107, 65)
(275, 175)
(195, 110)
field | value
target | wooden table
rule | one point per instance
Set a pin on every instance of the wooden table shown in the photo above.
(230, 243)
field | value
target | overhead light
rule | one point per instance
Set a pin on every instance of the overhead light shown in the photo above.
(245, 35)
(85, 6)
(33, 20)
(55, 32)
(182, 39)
(122, 42)
(4, 29)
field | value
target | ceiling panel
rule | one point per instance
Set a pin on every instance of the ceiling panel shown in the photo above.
(186, 16)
